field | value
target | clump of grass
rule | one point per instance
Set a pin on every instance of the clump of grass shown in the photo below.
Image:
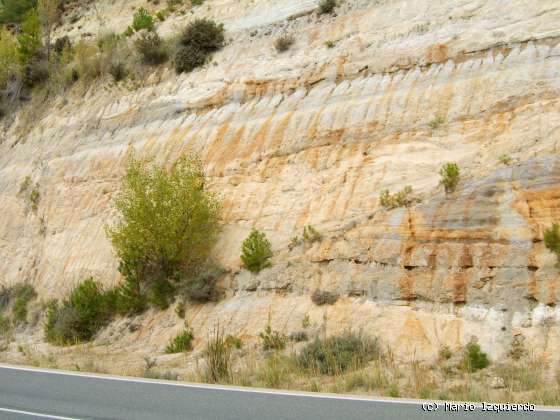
(552, 239)
(298, 336)
(330, 44)
(403, 198)
(526, 375)
(283, 43)
(23, 294)
(505, 160)
(34, 197)
(234, 342)
(272, 340)
(5, 325)
(180, 343)
(218, 359)
(445, 353)
(436, 122)
(337, 354)
(310, 234)
(323, 297)
(180, 309)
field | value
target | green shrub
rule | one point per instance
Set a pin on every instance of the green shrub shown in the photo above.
(128, 32)
(189, 58)
(505, 160)
(450, 175)
(201, 286)
(181, 343)
(142, 19)
(256, 252)
(36, 72)
(161, 293)
(337, 354)
(34, 197)
(129, 298)
(23, 294)
(168, 225)
(81, 316)
(272, 340)
(330, 44)
(199, 39)
(5, 294)
(5, 325)
(445, 353)
(552, 239)
(310, 234)
(181, 309)
(14, 11)
(218, 359)
(322, 297)
(197, 2)
(403, 198)
(474, 358)
(283, 43)
(88, 61)
(151, 48)
(29, 37)
(118, 71)
(234, 342)
(9, 63)
(436, 122)
(326, 6)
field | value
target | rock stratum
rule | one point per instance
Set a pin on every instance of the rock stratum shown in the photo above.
(311, 137)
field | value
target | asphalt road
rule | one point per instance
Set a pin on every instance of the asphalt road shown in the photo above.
(27, 393)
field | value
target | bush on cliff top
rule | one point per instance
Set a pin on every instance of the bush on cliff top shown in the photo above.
(199, 39)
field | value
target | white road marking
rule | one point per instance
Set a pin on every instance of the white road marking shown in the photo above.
(30, 413)
(247, 390)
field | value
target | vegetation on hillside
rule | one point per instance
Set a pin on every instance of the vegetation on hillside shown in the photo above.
(168, 223)
(31, 61)
(256, 251)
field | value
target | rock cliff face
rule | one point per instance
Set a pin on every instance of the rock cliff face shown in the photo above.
(311, 137)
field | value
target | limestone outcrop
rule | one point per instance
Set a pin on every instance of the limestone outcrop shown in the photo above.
(311, 137)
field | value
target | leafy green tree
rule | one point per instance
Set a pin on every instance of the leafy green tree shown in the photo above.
(256, 252)
(9, 63)
(29, 38)
(168, 225)
(48, 11)
(14, 11)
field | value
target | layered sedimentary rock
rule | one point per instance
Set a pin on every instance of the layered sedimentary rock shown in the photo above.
(311, 137)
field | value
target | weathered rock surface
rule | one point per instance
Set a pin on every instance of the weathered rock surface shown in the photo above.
(312, 136)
